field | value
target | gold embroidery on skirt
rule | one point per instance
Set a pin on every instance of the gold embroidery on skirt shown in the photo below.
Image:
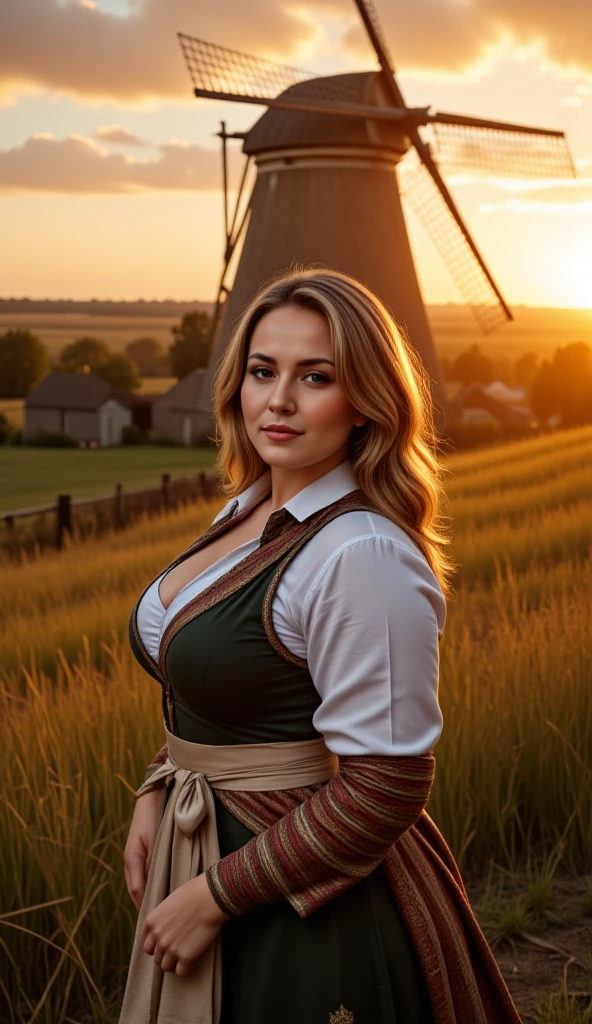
(341, 1016)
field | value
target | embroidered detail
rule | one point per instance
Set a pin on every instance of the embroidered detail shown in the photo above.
(341, 1016)
(359, 505)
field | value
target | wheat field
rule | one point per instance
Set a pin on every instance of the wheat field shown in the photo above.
(79, 720)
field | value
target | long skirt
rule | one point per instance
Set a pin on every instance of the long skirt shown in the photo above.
(350, 962)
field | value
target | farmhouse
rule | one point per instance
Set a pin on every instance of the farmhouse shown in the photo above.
(496, 403)
(178, 413)
(84, 407)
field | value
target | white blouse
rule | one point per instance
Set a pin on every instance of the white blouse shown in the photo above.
(359, 602)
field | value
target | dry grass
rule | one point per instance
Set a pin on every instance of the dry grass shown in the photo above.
(78, 728)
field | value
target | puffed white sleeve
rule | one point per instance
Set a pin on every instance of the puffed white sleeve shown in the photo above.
(372, 621)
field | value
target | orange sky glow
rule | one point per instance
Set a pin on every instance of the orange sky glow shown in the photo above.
(109, 170)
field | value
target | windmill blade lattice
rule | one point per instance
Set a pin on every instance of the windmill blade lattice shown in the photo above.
(219, 72)
(370, 18)
(425, 200)
(514, 153)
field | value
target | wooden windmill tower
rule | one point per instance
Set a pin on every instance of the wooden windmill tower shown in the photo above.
(328, 185)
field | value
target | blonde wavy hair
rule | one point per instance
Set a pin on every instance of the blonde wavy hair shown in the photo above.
(393, 455)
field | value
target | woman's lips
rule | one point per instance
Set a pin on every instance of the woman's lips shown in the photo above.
(280, 435)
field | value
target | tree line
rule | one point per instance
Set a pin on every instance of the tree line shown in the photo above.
(559, 386)
(25, 360)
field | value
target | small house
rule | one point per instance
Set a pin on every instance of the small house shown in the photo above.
(179, 414)
(83, 406)
(477, 405)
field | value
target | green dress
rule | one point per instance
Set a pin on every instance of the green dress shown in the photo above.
(350, 962)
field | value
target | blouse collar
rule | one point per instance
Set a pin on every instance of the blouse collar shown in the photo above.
(323, 491)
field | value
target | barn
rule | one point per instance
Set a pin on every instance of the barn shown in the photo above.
(476, 405)
(81, 405)
(178, 414)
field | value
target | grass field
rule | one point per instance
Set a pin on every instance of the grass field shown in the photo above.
(34, 476)
(79, 720)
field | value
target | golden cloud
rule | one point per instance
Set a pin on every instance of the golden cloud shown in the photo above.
(80, 49)
(77, 164)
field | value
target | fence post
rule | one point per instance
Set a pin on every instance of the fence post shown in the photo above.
(165, 489)
(117, 507)
(63, 518)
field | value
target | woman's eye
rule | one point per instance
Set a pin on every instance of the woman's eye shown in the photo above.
(313, 373)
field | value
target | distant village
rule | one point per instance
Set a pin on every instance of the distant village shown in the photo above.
(92, 396)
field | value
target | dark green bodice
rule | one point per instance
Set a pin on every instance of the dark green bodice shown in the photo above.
(229, 684)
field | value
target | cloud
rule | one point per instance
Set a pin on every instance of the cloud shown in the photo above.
(91, 53)
(77, 164)
(456, 36)
(538, 206)
(548, 195)
(116, 134)
(571, 101)
(79, 49)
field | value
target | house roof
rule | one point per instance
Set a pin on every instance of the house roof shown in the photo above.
(475, 396)
(503, 393)
(184, 396)
(82, 391)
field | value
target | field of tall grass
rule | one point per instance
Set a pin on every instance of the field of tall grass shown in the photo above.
(79, 720)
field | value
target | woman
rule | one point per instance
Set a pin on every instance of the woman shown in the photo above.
(292, 872)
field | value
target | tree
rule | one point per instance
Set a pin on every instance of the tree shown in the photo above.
(120, 371)
(542, 394)
(572, 365)
(149, 356)
(563, 386)
(91, 352)
(191, 345)
(94, 355)
(472, 366)
(502, 369)
(525, 368)
(24, 360)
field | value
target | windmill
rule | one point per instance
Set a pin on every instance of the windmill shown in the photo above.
(329, 152)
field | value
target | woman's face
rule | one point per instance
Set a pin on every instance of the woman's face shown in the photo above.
(307, 398)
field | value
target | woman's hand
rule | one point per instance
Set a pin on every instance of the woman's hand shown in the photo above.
(182, 927)
(140, 842)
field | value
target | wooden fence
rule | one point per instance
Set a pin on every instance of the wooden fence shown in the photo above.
(44, 526)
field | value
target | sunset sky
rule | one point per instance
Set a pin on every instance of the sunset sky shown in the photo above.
(109, 171)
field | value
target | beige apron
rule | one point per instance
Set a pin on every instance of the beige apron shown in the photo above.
(187, 844)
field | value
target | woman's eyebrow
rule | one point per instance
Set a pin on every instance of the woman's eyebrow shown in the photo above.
(301, 362)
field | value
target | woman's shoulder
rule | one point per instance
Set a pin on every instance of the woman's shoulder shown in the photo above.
(352, 556)
(358, 526)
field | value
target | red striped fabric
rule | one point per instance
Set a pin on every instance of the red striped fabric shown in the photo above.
(314, 843)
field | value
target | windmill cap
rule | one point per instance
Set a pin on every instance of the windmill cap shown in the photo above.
(279, 129)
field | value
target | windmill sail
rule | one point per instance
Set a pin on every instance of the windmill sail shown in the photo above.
(425, 200)
(508, 150)
(220, 73)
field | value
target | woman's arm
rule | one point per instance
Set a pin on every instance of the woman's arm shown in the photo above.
(330, 841)
(157, 760)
